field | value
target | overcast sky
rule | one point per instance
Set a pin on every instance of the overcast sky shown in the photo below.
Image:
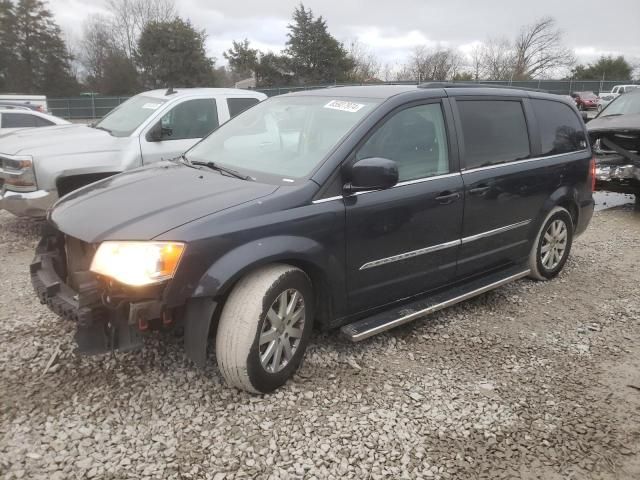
(391, 28)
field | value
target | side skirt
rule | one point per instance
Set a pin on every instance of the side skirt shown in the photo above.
(401, 314)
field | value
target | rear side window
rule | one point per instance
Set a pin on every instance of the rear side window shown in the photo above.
(239, 105)
(494, 131)
(18, 120)
(43, 122)
(560, 129)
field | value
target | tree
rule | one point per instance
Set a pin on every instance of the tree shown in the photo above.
(37, 57)
(538, 49)
(273, 69)
(242, 59)
(366, 66)
(497, 59)
(426, 64)
(606, 68)
(8, 43)
(129, 18)
(315, 55)
(173, 54)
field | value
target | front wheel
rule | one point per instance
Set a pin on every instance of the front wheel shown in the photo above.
(264, 328)
(551, 248)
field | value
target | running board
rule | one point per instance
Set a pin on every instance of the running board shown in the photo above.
(399, 315)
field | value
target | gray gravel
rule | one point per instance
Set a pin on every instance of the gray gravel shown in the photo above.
(529, 381)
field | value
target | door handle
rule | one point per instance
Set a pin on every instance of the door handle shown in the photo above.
(447, 197)
(481, 190)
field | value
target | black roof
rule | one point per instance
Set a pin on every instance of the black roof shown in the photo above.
(364, 91)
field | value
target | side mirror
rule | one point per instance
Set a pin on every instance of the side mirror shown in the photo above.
(159, 133)
(585, 116)
(372, 174)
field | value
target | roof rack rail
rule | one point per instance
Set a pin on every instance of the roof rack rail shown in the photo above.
(475, 85)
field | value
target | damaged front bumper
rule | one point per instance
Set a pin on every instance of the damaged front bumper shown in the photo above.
(105, 322)
(110, 316)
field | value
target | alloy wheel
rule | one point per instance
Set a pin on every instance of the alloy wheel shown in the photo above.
(282, 330)
(554, 244)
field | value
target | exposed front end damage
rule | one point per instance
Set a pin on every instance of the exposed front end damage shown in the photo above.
(616, 145)
(107, 316)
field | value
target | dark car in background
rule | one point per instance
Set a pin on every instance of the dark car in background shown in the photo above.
(360, 208)
(615, 135)
(585, 100)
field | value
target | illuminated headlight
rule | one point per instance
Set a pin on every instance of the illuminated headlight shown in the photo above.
(18, 173)
(138, 263)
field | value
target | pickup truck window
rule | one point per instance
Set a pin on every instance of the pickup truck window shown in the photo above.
(560, 129)
(283, 138)
(191, 119)
(122, 121)
(415, 138)
(239, 105)
(18, 120)
(494, 131)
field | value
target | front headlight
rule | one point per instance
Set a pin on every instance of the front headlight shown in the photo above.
(18, 173)
(138, 263)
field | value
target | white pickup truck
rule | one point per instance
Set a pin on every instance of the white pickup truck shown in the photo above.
(604, 98)
(37, 166)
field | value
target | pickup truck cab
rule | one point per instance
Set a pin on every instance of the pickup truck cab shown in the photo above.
(12, 119)
(37, 167)
(604, 98)
(360, 208)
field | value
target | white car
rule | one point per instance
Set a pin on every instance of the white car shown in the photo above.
(38, 167)
(12, 119)
(605, 98)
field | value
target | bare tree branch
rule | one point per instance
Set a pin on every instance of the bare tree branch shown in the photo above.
(538, 49)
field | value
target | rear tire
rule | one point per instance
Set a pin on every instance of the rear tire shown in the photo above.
(265, 327)
(552, 245)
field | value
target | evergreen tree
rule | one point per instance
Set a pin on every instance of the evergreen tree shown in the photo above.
(173, 54)
(242, 59)
(315, 55)
(606, 68)
(33, 55)
(8, 43)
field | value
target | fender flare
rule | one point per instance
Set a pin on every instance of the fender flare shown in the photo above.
(299, 251)
(564, 196)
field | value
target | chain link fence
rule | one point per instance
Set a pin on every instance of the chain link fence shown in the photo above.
(92, 107)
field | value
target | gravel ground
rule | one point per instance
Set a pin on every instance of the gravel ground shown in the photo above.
(534, 380)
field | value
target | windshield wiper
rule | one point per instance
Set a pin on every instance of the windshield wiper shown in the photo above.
(612, 115)
(219, 168)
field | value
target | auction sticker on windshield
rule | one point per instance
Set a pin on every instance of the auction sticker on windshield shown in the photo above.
(151, 106)
(344, 106)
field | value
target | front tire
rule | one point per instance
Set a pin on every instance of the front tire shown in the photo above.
(264, 328)
(552, 246)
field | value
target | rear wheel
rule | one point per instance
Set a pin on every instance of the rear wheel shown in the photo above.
(264, 328)
(551, 248)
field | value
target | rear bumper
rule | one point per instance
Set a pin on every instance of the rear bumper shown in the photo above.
(584, 216)
(28, 204)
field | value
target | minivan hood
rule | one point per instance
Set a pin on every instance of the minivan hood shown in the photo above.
(143, 203)
(59, 140)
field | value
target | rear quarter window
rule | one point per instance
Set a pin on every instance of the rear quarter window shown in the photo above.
(493, 132)
(18, 120)
(239, 105)
(560, 129)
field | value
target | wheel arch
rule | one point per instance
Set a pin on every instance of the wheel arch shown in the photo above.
(565, 197)
(323, 268)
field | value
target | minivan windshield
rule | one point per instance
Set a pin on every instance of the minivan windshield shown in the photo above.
(122, 121)
(283, 138)
(626, 104)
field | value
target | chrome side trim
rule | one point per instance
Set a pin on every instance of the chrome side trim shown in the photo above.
(406, 255)
(439, 306)
(401, 184)
(495, 231)
(518, 162)
(442, 246)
